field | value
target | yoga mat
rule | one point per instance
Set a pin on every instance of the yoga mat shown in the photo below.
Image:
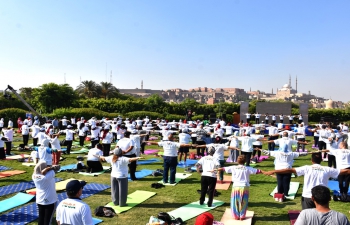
(189, 162)
(83, 150)
(160, 153)
(13, 188)
(193, 209)
(17, 200)
(2, 168)
(28, 164)
(59, 186)
(95, 174)
(225, 185)
(29, 213)
(178, 178)
(133, 199)
(96, 221)
(17, 156)
(68, 167)
(334, 186)
(150, 151)
(141, 174)
(293, 216)
(292, 190)
(228, 220)
(262, 158)
(11, 173)
(147, 161)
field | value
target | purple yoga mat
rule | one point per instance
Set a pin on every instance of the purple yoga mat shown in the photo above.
(150, 151)
(263, 157)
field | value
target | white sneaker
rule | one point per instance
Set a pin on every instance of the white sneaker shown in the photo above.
(280, 200)
(276, 199)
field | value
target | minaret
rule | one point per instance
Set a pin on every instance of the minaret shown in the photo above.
(272, 90)
(296, 84)
(141, 84)
(290, 81)
(250, 90)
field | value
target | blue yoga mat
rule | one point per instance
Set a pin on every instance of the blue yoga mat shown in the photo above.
(96, 221)
(147, 161)
(141, 174)
(29, 213)
(13, 188)
(17, 200)
(68, 167)
(334, 186)
(2, 168)
(189, 162)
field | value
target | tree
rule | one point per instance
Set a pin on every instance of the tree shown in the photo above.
(87, 89)
(51, 96)
(107, 90)
(155, 103)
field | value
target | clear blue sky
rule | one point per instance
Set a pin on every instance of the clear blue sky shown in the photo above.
(178, 43)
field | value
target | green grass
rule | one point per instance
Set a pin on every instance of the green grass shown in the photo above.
(267, 211)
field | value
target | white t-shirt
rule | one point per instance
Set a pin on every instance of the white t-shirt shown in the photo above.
(247, 143)
(125, 144)
(219, 150)
(257, 137)
(73, 211)
(45, 188)
(284, 160)
(120, 167)
(55, 143)
(323, 135)
(42, 136)
(209, 163)
(34, 130)
(234, 142)
(1, 142)
(273, 117)
(45, 154)
(170, 148)
(69, 135)
(136, 138)
(120, 134)
(315, 175)
(301, 131)
(229, 130)
(8, 134)
(25, 130)
(83, 130)
(247, 115)
(1, 123)
(240, 175)
(184, 138)
(92, 152)
(64, 122)
(108, 139)
(95, 133)
(272, 130)
(285, 141)
(342, 157)
(220, 132)
(257, 116)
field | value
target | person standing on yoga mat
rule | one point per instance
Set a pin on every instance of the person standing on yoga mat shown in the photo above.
(240, 188)
(73, 210)
(247, 145)
(208, 179)
(219, 154)
(8, 133)
(184, 138)
(127, 145)
(46, 197)
(321, 214)
(313, 175)
(2, 150)
(119, 175)
(170, 157)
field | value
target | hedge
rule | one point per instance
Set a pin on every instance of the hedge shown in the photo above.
(12, 113)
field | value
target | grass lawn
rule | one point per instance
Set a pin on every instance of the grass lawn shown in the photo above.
(267, 211)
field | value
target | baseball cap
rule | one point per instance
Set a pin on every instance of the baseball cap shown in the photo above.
(74, 186)
(118, 151)
(205, 219)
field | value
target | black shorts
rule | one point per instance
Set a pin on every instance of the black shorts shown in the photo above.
(184, 149)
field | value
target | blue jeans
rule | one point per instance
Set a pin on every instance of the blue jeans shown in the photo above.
(170, 162)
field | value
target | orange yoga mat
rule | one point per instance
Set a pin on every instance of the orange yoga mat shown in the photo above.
(11, 173)
(228, 220)
(225, 185)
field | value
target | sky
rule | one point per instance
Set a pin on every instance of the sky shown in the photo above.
(248, 44)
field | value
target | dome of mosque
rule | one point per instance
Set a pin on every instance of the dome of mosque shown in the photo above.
(286, 86)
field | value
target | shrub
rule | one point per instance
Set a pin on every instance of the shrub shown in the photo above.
(12, 113)
(143, 114)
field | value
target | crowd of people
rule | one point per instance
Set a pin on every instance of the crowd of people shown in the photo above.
(244, 143)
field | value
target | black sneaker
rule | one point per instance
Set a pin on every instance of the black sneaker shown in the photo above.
(335, 198)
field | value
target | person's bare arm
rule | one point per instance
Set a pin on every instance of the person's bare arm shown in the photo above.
(283, 171)
(128, 150)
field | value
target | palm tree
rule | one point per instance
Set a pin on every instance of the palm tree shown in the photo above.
(87, 88)
(106, 89)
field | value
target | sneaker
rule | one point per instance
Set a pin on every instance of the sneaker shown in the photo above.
(280, 199)
(212, 205)
(276, 199)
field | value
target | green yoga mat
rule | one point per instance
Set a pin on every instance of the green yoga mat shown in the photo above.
(133, 199)
(17, 200)
(193, 209)
(83, 150)
(178, 178)
(105, 168)
(294, 186)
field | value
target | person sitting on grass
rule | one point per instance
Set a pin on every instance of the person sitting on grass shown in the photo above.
(240, 188)
(322, 214)
(93, 159)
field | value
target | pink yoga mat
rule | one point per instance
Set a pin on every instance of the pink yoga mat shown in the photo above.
(263, 157)
(150, 151)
